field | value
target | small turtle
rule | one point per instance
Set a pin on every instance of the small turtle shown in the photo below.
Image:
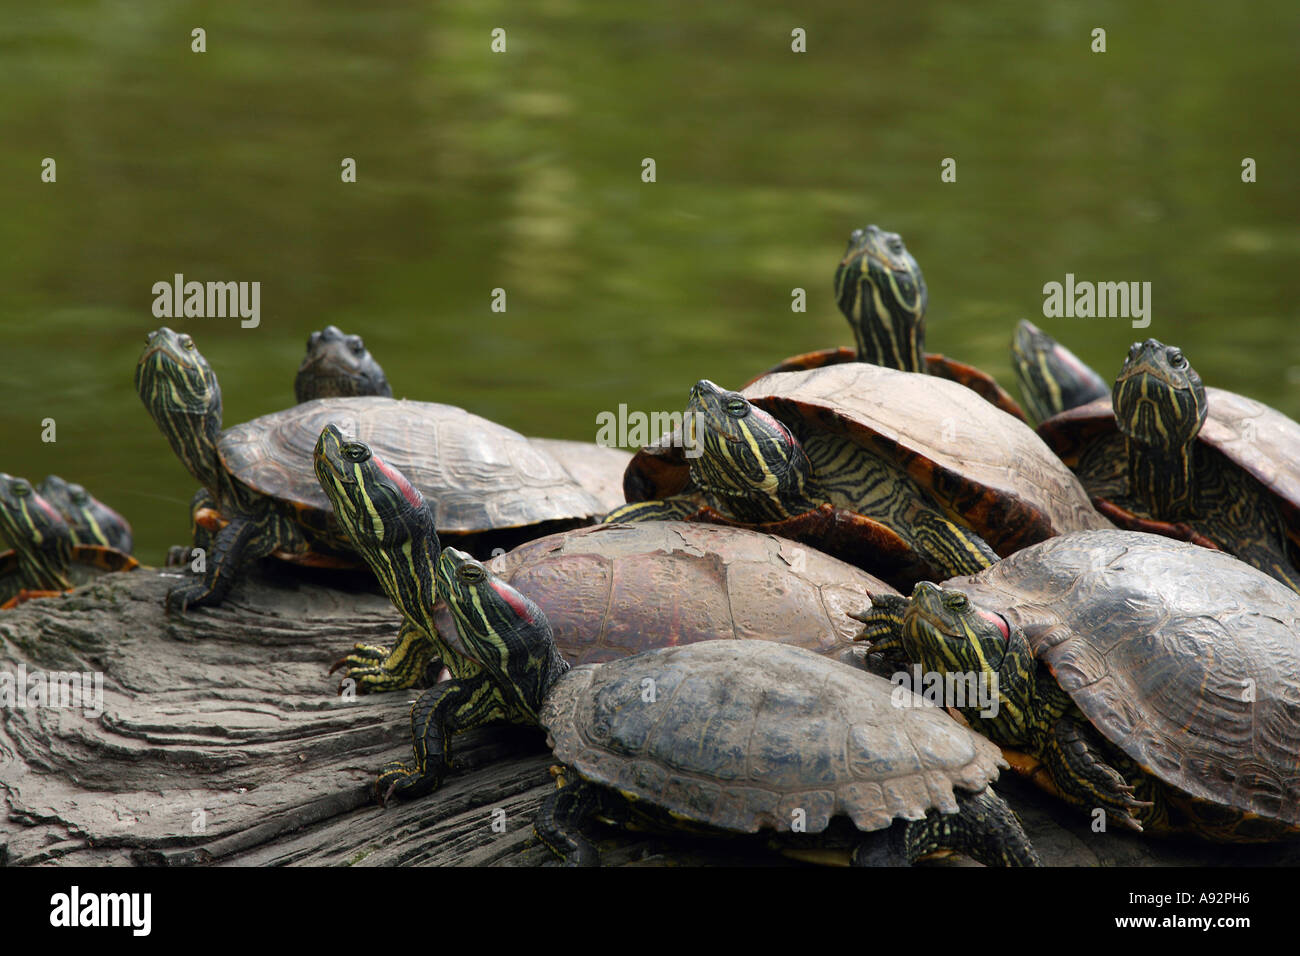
(1168, 455)
(43, 559)
(880, 290)
(1148, 677)
(1052, 378)
(491, 485)
(91, 521)
(902, 474)
(608, 590)
(728, 737)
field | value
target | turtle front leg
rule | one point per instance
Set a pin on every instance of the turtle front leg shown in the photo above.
(203, 513)
(567, 809)
(376, 670)
(1079, 768)
(983, 828)
(245, 539)
(444, 710)
(883, 626)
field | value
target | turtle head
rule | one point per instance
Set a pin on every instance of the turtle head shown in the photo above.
(945, 631)
(91, 521)
(1158, 397)
(37, 532)
(746, 456)
(180, 390)
(1052, 378)
(882, 293)
(501, 629)
(338, 365)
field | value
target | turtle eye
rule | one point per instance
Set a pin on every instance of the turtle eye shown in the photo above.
(471, 573)
(1133, 350)
(356, 451)
(356, 345)
(78, 495)
(1176, 358)
(894, 244)
(187, 343)
(21, 488)
(955, 601)
(737, 407)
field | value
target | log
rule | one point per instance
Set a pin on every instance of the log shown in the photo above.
(222, 741)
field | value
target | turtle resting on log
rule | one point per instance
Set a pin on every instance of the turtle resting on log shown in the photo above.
(90, 520)
(1146, 677)
(493, 488)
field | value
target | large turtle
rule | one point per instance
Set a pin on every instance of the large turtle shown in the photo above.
(1169, 455)
(493, 487)
(43, 558)
(90, 520)
(903, 474)
(1052, 378)
(880, 290)
(609, 590)
(728, 737)
(338, 365)
(1148, 677)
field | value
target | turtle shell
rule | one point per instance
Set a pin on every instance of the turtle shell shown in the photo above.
(739, 734)
(981, 463)
(1186, 659)
(477, 475)
(1256, 438)
(977, 381)
(596, 468)
(614, 590)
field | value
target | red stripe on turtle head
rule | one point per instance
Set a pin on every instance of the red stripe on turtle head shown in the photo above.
(997, 621)
(773, 421)
(45, 506)
(515, 601)
(408, 490)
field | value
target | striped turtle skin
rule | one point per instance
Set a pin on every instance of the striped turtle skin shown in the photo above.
(1149, 677)
(91, 521)
(881, 291)
(1052, 378)
(1167, 454)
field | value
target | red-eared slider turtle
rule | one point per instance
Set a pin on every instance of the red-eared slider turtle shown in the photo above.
(609, 590)
(1149, 677)
(880, 290)
(728, 737)
(1052, 378)
(899, 473)
(90, 520)
(43, 558)
(1166, 454)
(338, 365)
(491, 485)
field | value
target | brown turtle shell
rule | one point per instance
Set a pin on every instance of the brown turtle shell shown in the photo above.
(740, 734)
(983, 464)
(619, 589)
(1258, 439)
(596, 468)
(979, 382)
(477, 475)
(1186, 659)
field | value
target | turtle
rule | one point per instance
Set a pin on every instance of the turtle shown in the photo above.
(726, 737)
(91, 521)
(881, 291)
(339, 365)
(491, 485)
(903, 474)
(1052, 378)
(1168, 455)
(608, 590)
(44, 559)
(1145, 676)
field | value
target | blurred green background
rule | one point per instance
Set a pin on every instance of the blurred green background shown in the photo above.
(522, 170)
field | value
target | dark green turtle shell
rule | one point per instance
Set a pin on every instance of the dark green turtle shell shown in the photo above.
(478, 475)
(1256, 438)
(987, 466)
(739, 734)
(1184, 658)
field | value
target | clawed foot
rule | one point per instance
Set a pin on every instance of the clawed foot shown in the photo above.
(369, 668)
(397, 780)
(188, 596)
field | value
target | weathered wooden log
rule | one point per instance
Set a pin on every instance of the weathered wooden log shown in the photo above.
(222, 740)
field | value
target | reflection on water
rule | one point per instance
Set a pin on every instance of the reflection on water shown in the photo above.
(522, 171)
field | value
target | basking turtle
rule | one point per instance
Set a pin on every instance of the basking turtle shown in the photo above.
(1149, 677)
(880, 290)
(91, 521)
(491, 485)
(1166, 454)
(608, 590)
(43, 559)
(338, 365)
(1052, 378)
(725, 737)
(899, 473)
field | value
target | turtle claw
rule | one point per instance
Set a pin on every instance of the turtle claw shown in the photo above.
(398, 779)
(183, 598)
(366, 668)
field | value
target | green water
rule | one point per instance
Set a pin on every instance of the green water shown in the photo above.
(522, 170)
